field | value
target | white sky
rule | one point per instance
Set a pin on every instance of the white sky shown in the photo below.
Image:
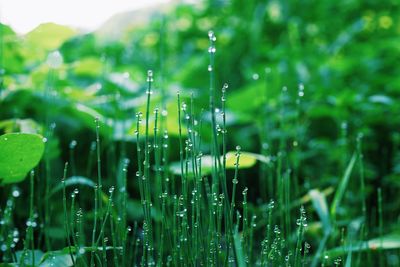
(25, 15)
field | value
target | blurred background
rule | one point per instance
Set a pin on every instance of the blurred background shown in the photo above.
(307, 79)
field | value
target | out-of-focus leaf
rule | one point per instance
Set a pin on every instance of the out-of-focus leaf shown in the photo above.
(88, 67)
(390, 241)
(74, 180)
(60, 258)
(134, 211)
(38, 254)
(319, 202)
(20, 125)
(247, 160)
(49, 36)
(342, 186)
(381, 99)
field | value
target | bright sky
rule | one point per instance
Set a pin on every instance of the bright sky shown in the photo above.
(25, 15)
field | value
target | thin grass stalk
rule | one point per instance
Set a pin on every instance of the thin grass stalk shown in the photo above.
(66, 220)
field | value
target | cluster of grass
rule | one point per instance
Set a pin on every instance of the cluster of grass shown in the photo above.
(201, 217)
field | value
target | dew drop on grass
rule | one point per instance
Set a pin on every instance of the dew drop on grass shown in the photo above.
(255, 76)
(111, 189)
(73, 144)
(76, 191)
(16, 193)
(150, 76)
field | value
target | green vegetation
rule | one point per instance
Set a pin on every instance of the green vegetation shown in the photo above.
(273, 141)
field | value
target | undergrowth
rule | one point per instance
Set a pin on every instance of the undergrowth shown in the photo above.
(200, 217)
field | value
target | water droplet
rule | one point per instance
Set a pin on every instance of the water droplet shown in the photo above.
(44, 140)
(255, 76)
(111, 189)
(209, 68)
(54, 60)
(211, 36)
(76, 191)
(150, 76)
(73, 144)
(16, 193)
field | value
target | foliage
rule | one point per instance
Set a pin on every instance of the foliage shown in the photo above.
(312, 102)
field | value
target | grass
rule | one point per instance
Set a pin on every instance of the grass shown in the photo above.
(194, 219)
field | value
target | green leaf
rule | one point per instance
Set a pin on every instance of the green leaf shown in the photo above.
(319, 202)
(239, 250)
(74, 180)
(88, 67)
(60, 258)
(28, 258)
(390, 241)
(247, 160)
(135, 211)
(49, 36)
(19, 153)
(342, 186)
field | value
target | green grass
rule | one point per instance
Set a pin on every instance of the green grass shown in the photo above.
(197, 217)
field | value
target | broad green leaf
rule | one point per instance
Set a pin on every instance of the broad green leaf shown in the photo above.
(390, 241)
(60, 258)
(74, 180)
(38, 254)
(342, 186)
(19, 153)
